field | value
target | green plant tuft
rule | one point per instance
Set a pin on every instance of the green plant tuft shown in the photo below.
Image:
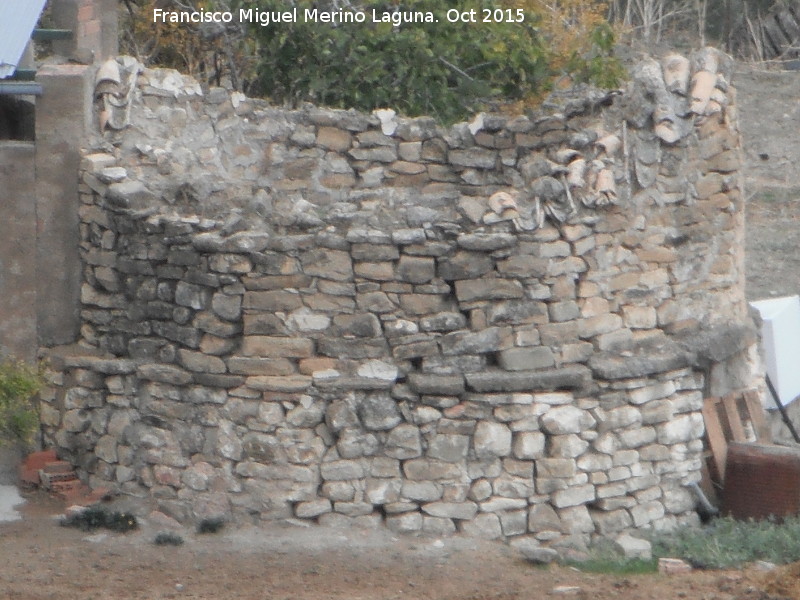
(166, 538)
(728, 543)
(210, 525)
(604, 557)
(19, 384)
(95, 518)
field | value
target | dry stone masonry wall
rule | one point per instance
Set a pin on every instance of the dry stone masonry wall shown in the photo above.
(504, 328)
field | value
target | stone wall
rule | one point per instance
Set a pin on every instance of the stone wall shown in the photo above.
(504, 328)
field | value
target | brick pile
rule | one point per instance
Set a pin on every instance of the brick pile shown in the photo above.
(44, 470)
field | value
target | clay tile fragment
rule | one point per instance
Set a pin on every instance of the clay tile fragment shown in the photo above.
(610, 144)
(575, 175)
(702, 88)
(676, 73)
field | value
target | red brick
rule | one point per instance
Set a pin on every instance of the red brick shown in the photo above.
(53, 480)
(70, 491)
(58, 466)
(86, 12)
(29, 477)
(38, 460)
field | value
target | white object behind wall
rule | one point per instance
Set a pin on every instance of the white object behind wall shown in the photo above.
(17, 20)
(780, 335)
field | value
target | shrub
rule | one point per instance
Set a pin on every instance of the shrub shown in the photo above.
(446, 70)
(210, 525)
(727, 543)
(166, 538)
(95, 517)
(19, 384)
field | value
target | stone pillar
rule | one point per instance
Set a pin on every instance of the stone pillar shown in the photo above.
(18, 250)
(94, 26)
(63, 117)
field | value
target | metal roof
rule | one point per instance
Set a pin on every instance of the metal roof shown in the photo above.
(17, 20)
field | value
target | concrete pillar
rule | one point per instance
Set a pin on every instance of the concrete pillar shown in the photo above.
(18, 250)
(63, 118)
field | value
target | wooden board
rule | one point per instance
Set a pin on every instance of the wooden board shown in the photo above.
(715, 435)
(757, 418)
(726, 420)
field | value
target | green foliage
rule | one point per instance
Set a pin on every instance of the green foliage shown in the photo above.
(210, 525)
(19, 384)
(166, 538)
(617, 565)
(727, 543)
(598, 66)
(604, 557)
(447, 70)
(95, 517)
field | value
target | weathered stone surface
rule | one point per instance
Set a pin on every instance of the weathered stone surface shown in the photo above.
(451, 510)
(164, 374)
(431, 470)
(492, 440)
(486, 241)
(416, 269)
(446, 321)
(566, 419)
(341, 470)
(450, 448)
(378, 412)
(488, 340)
(408, 522)
(313, 508)
(521, 381)
(423, 383)
(404, 442)
(468, 290)
(526, 359)
(276, 347)
(615, 367)
(201, 363)
(485, 525)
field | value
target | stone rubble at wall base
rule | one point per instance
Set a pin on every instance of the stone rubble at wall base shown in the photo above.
(436, 330)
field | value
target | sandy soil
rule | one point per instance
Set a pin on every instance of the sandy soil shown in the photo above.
(769, 114)
(44, 560)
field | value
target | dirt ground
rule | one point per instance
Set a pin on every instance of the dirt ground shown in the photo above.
(43, 560)
(769, 116)
(40, 559)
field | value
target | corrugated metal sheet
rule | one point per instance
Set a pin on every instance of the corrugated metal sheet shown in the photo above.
(17, 20)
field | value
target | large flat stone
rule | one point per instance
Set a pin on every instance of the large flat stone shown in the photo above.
(522, 381)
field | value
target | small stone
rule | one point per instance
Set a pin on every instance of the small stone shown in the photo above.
(533, 552)
(673, 566)
(567, 590)
(765, 566)
(633, 547)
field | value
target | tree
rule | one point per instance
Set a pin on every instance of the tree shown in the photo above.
(497, 54)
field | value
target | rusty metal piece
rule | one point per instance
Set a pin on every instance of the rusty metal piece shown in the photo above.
(761, 481)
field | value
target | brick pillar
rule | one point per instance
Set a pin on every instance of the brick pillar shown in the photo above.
(63, 118)
(94, 26)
